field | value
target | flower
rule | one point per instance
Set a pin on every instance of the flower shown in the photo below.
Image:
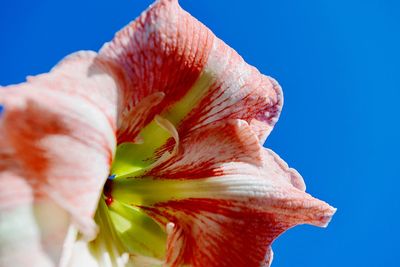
(148, 152)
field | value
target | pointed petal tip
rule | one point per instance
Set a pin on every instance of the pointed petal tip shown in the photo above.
(316, 212)
(321, 215)
(328, 217)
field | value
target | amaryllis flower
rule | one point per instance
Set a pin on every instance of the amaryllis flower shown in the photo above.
(147, 153)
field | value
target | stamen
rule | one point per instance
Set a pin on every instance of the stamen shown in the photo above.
(170, 227)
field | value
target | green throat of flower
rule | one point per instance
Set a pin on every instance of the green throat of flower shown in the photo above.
(122, 220)
(129, 228)
(125, 227)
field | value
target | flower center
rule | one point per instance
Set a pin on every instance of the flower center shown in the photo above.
(128, 226)
(128, 191)
(127, 223)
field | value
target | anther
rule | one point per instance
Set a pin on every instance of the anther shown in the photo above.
(170, 227)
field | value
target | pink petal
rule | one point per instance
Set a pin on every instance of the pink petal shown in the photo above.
(214, 233)
(239, 91)
(30, 235)
(133, 119)
(230, 199)
(235, 231)
(159, 55)
(57, 142)
(201, 153)
(167, 50)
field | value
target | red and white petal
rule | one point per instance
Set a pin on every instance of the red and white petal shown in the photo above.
(231, 216)
(238, 91)
(215, 233)
(273, 163)
(211, 232)
(164, 50)
(134, 118)
(83, 74)
(167, 50)
(197, 157)
(233, 221)
(226, 196)
(57, 140)
(202, 153)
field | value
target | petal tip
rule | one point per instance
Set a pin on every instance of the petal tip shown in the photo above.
(328, 217)
(278, 102)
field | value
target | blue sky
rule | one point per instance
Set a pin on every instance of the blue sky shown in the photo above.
(338, 63)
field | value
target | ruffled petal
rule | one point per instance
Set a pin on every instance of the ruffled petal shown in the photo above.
(167, 50)
(237, 91)
(215, 233)
(229, 207)
(232, 220)
(56, 146)
(164, 50)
